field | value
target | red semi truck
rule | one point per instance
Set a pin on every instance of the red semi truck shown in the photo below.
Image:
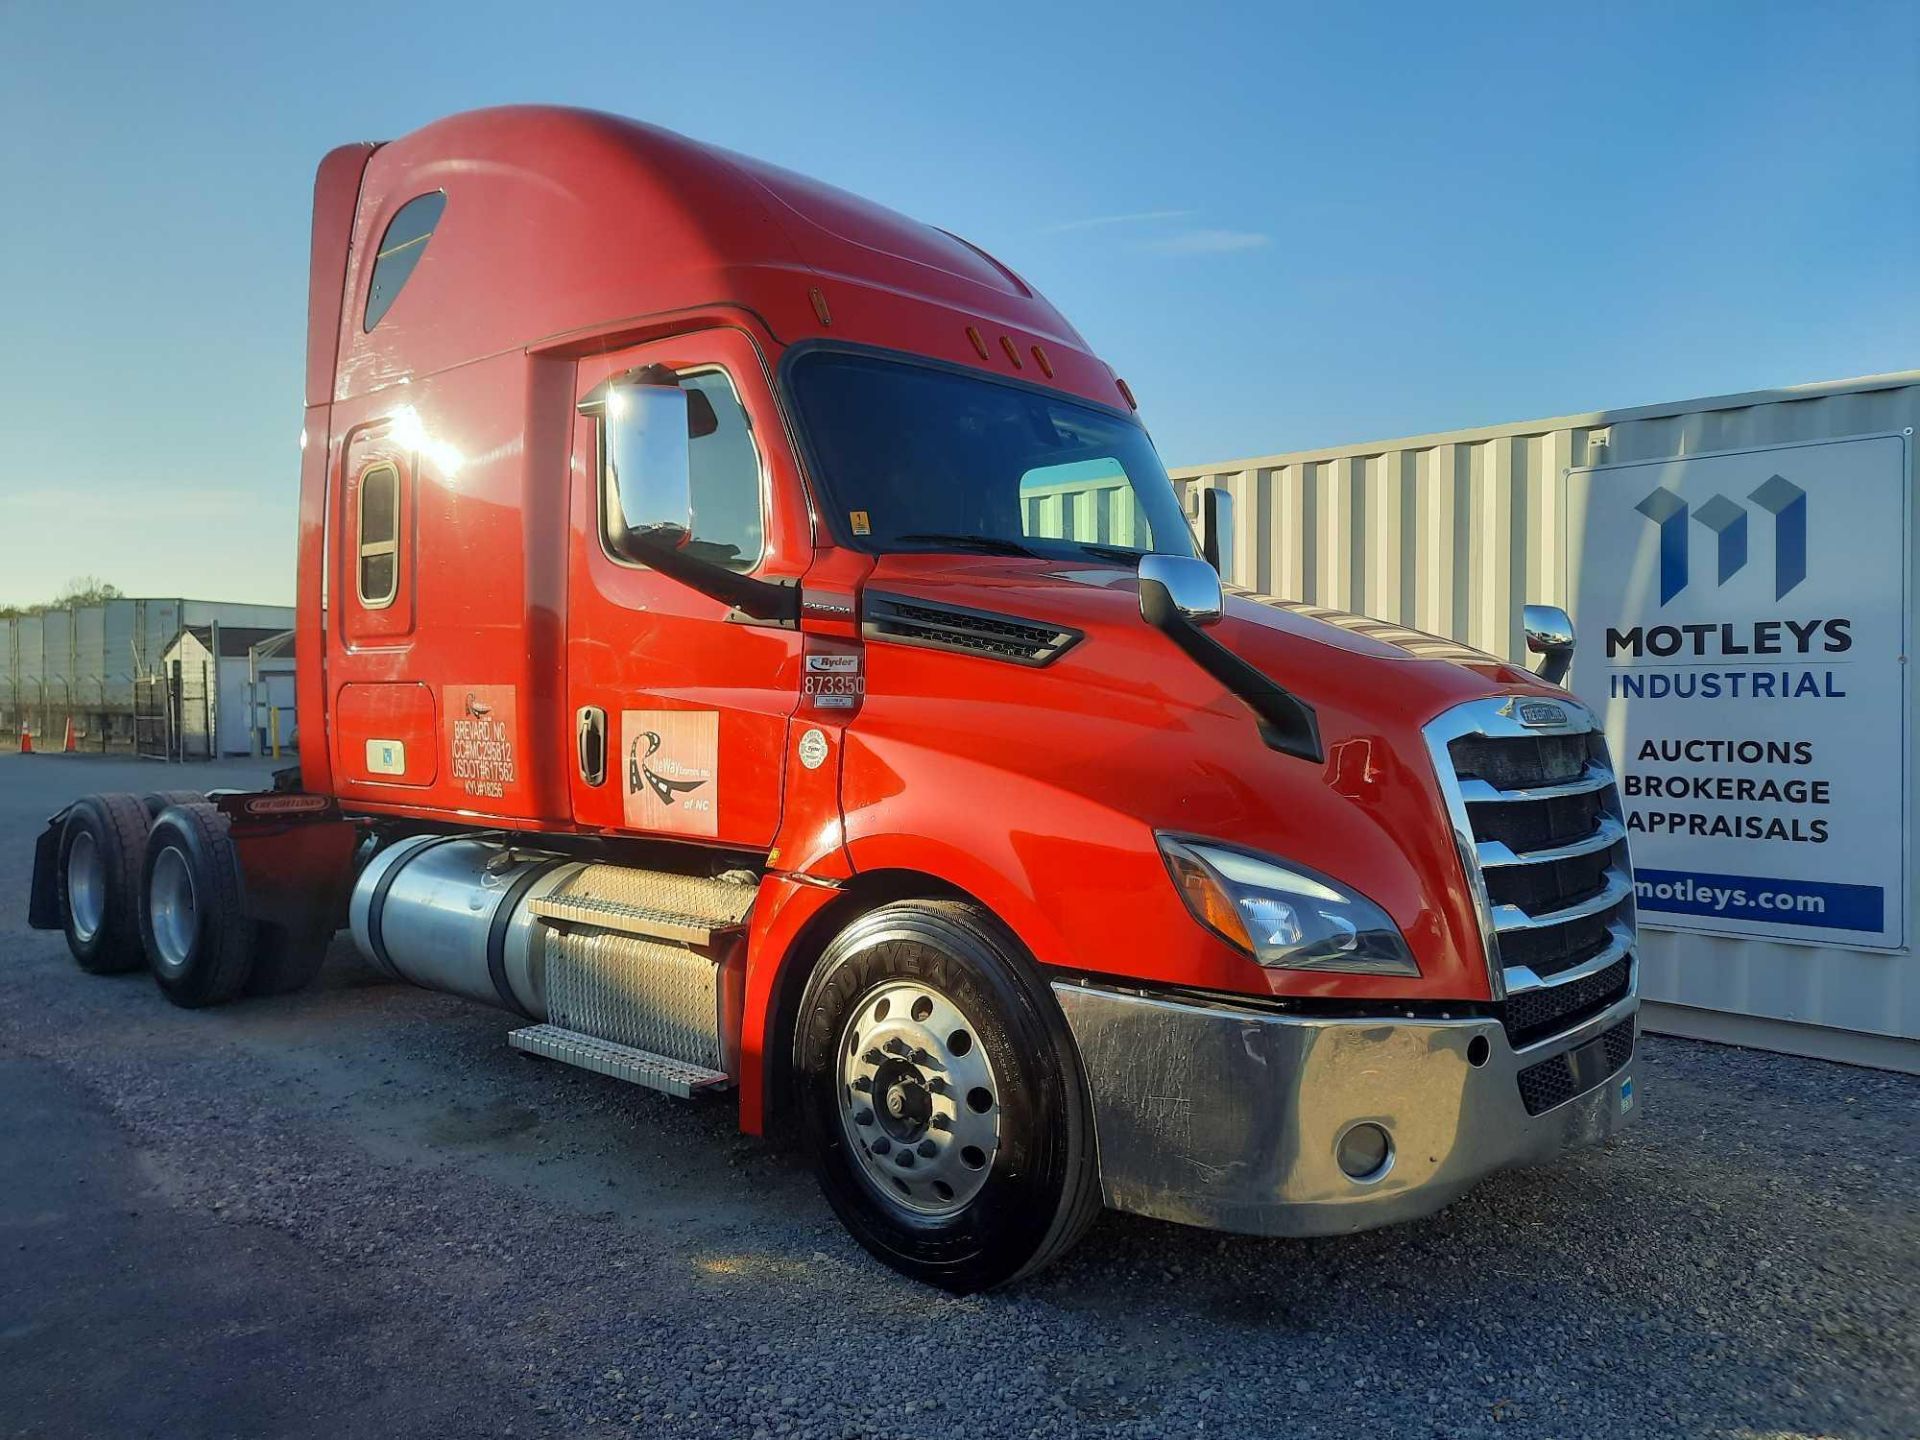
(748, 636)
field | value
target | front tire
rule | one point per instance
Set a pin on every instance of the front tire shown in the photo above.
(102, 848)
(942, 1098)
(198, 938)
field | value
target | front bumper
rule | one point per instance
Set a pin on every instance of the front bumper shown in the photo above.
(1230, 1118)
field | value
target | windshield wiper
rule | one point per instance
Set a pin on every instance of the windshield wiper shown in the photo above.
(992, 544)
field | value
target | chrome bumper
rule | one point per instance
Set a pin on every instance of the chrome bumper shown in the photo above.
(1230, 1118)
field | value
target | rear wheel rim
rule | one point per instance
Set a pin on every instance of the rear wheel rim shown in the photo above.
(174, 906)
(918, 1099)
(86, 887)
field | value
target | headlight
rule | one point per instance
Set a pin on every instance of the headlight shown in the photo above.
(1284, 916)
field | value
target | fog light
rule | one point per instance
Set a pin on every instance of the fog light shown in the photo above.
(1365, 1152)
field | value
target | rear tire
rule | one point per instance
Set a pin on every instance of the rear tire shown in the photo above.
(102, 850)
(942, 1099)
(158, 800)
(198, 939)
(287, 960)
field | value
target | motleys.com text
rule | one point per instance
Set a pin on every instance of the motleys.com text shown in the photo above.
(1722, 898)
(1770, 900)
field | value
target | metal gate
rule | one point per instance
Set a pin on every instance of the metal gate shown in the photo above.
(152, 718)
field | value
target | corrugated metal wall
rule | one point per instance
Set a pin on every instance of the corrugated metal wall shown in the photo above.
(1454, 532)
(82, 661)
(1100, 510)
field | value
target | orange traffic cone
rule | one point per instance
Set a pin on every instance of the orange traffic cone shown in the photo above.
(26, 739)
(67, 746)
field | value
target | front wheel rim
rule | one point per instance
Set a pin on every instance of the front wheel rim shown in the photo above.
(918, 1099)
(174, 908)
(86, 887)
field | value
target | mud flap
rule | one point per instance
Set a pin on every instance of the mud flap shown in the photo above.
(295, 875)
(43, 897)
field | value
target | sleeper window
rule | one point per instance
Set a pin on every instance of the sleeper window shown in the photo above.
(400, 250)
(379, 544)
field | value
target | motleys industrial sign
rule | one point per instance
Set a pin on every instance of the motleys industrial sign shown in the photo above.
(1743, 628)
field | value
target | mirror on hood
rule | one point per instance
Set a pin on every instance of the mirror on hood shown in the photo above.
(1193, 587)
(1549, 631)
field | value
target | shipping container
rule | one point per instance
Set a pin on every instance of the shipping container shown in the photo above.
(1453, 532)
(84, 662)
(28, 672)
(9, 682)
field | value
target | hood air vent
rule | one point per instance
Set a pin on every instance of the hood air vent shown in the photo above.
(907, 621)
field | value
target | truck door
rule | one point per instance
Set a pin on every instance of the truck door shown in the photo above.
(680, 706)
(383, 731)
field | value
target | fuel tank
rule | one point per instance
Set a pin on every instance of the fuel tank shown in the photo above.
(652, 960)
(452, 913)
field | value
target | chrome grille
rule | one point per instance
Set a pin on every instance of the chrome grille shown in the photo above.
(1537, 820)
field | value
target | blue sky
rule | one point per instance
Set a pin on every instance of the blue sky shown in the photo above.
(1287, 226)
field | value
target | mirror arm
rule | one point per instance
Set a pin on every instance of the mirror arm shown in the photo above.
(1216, 529)
(756, 599)
(1555, 665)
(1287, 723)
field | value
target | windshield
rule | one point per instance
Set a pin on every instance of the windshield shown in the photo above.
(917, 458)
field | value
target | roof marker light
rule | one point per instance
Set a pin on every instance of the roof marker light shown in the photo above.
(820, 305)
(979, 345)
(1046, 365)
(1013, 352)
(1126, 394)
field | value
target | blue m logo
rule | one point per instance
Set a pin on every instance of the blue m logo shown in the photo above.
(1778, 496)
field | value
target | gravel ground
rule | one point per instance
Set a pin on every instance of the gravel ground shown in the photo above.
(356, 1212)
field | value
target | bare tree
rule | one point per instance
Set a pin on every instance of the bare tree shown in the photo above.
(86, 590)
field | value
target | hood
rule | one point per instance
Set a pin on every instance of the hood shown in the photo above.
(1078, 731)
(1323, 655)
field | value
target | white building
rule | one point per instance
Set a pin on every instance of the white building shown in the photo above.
(233, 683)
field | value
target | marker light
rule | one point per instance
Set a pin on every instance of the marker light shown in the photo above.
(1284, 916)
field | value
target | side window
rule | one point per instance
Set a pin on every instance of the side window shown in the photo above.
(378, 565)
(1086, 500)
(400, 250)
(725, 479)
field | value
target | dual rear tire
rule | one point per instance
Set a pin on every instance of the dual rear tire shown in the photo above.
(193, 925)
(102, 857)
(153, 881)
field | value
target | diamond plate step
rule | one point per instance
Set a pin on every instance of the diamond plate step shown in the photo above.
(622, 1062)
(689, 909)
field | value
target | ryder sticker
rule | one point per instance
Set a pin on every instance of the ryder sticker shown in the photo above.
(672, 769)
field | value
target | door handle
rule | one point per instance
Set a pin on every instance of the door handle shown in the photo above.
(590, 738)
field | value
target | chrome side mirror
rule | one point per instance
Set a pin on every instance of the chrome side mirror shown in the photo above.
(1191, 586)
(1549, 632)
(1216, 529)
(649, 470)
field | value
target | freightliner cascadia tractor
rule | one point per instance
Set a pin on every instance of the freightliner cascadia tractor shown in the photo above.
(745, 635)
